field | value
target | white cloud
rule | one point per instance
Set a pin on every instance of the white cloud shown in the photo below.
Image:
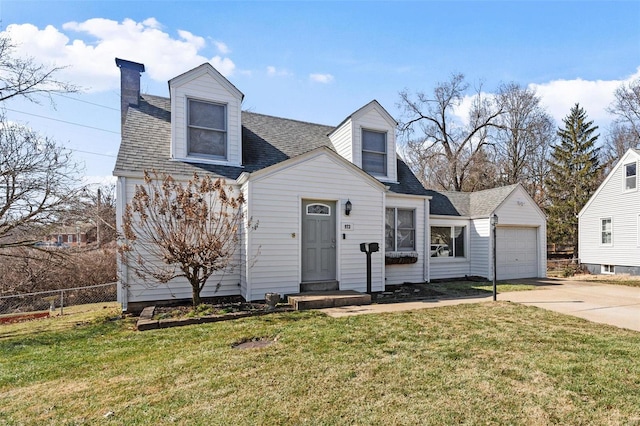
(321, 78)
(277, 72)
(88, 50)
(559, 96)
(222, 47)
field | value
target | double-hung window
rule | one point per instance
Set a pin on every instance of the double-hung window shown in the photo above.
(400, 230)
(374, 152)
(606, 231)
(207, 129)
(630, 176)
(448, 241)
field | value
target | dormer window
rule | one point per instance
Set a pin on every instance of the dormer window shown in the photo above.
(207, 129)
(374, 152)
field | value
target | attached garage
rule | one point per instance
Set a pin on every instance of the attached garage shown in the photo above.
(517, 252)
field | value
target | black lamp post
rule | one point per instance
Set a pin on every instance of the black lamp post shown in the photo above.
(494, 223)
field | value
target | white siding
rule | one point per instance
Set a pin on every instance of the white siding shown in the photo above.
(139, 291)
(206, 88)
(623, 207)
(341, 139)
(276, 204)
(480, 248)
(413, 272)
(519, 210)
(450, 267)
(372, 119)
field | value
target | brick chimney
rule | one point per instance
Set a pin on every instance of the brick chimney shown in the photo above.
(129, 86)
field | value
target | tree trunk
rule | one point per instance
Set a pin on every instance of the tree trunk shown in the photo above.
(195, 294)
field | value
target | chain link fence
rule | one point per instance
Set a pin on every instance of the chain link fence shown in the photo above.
(58, 299)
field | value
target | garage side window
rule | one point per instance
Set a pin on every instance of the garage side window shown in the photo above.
(606, 231)
(448, 241)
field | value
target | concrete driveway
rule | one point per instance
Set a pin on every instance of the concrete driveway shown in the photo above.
(616, 305)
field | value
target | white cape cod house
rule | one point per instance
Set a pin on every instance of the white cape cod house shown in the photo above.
(318, 192)
(609, 224)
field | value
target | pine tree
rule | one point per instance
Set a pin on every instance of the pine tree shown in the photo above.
(574, 175)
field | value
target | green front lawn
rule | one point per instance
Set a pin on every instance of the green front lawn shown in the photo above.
(489, 363)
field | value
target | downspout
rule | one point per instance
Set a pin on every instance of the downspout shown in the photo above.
(123, 273)
(427, 246)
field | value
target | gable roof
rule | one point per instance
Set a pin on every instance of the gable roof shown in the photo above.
(206, 68)
(371, 105)
(470, 204)
(631, 152)
(266, 140)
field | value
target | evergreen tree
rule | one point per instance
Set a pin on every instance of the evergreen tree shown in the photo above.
(574, 174)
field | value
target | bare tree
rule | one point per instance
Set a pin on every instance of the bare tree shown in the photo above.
(24, 76)
(626, 106)
(438, 144)
(174, 230)
(37, 183)
(620, 138)
(523, 136)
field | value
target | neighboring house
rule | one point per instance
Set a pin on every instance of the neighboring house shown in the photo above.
(318, 192)
(609, 224)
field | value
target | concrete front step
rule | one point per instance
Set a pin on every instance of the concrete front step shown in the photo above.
(317, 286)
(328, 299)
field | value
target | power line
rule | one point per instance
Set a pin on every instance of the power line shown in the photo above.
(63, 121)
(93, 153)
(87, 102)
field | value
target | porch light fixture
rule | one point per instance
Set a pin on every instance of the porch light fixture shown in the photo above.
(347, 208)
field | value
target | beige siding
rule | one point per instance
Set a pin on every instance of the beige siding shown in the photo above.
(623, 207)
(480, 247)
(206, 88)
(414, 272)
(445, 267)
(371, 119)
(276, 204)
(139, 291)
(341, 140)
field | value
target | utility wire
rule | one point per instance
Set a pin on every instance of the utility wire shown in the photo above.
(93, 153)
(63, 121)
(87, 102)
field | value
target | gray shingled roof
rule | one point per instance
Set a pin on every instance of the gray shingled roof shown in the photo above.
(474, 204)
(266, 141)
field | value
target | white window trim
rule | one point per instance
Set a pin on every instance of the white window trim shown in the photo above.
(608, 269)
(467, 249)
(215, 159)
(395, 228)
(624, 177)
(386, 151)
(600, 232)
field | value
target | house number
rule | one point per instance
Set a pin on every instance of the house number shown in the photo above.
(347, 226)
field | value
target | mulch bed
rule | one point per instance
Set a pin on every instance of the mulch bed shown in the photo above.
(404, 293)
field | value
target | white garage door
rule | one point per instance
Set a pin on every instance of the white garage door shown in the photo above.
(517, 253)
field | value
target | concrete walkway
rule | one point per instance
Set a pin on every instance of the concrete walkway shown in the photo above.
(603, 303)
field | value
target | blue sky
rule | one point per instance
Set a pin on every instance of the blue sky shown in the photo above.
(318, 61)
